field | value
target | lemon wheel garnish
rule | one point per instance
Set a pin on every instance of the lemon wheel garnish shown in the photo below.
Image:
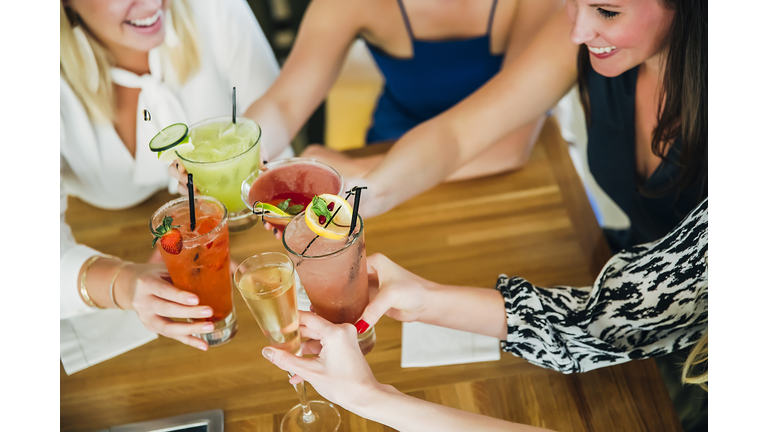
(339, 226)
(269, 208)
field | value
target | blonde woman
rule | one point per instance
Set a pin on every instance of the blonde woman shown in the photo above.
(179, 59)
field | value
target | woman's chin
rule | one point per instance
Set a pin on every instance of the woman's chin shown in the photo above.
(608, 67)
(146, 45)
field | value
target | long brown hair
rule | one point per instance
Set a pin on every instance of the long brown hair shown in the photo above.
(683, 112)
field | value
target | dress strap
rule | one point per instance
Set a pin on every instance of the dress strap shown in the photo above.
(490, 19)
(407, 21)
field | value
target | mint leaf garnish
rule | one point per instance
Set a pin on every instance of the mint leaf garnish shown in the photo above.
(320, 207)
(294, 209)
(284, 205)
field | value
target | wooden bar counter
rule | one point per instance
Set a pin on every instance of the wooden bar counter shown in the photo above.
(535, 223)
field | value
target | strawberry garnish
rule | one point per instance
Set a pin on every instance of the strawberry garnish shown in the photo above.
(169, 236)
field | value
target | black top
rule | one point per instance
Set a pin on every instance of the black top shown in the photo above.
(611, 159)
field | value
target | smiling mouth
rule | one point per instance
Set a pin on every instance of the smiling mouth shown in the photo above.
(146, 22)
(601, 50)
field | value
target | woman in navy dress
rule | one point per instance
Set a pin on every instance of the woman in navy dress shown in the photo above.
(432, 55)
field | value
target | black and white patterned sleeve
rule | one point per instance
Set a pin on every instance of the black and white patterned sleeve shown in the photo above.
(648, 301)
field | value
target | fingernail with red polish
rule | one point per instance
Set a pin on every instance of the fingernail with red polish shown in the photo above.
(267, 353)
(361, 326)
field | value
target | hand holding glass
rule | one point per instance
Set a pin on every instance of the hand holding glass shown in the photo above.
(268, 286)
(202, 265)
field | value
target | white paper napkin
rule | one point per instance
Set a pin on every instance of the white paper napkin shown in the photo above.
(427, 345)
(90, 339)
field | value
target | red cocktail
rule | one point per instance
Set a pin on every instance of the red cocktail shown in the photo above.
(294, 179)
(201, 265)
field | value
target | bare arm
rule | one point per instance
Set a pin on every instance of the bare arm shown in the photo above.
(388, 406)
(513, 150)
(638, 307)
(407, 297)
(327, 31)
(519, 94)
(530, 17)
(340, 373)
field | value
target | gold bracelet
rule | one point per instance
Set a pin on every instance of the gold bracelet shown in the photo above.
(112, 285)
(83, 290)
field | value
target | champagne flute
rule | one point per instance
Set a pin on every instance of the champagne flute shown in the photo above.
(268, 286)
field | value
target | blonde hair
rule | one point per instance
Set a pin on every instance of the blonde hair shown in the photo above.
(99, 104)
(699, 355)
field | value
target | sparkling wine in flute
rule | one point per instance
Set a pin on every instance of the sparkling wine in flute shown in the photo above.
(268, 285)
(270, 293)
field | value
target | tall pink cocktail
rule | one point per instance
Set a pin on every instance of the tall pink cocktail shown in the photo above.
(334, 274)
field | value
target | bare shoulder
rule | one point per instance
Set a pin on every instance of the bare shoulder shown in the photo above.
(529, 17)
(340, 11)
(335, 19)
(382, 23)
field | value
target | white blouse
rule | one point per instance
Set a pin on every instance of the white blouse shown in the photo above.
(95, 164)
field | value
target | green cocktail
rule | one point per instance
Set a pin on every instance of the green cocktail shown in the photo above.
(224, 154)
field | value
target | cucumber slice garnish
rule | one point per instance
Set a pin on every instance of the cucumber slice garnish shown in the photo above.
(170, 137)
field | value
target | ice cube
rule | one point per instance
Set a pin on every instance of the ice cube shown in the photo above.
(228, 129)
(209, 132)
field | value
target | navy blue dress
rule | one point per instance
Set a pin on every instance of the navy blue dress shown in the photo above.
(438, 76)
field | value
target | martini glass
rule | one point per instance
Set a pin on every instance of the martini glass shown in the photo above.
(268, 286)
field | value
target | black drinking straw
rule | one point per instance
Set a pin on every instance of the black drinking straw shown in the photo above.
(191, 189)
(234, 106)
(358, 192)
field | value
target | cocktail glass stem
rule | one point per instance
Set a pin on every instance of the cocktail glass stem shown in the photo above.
(302, 391)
